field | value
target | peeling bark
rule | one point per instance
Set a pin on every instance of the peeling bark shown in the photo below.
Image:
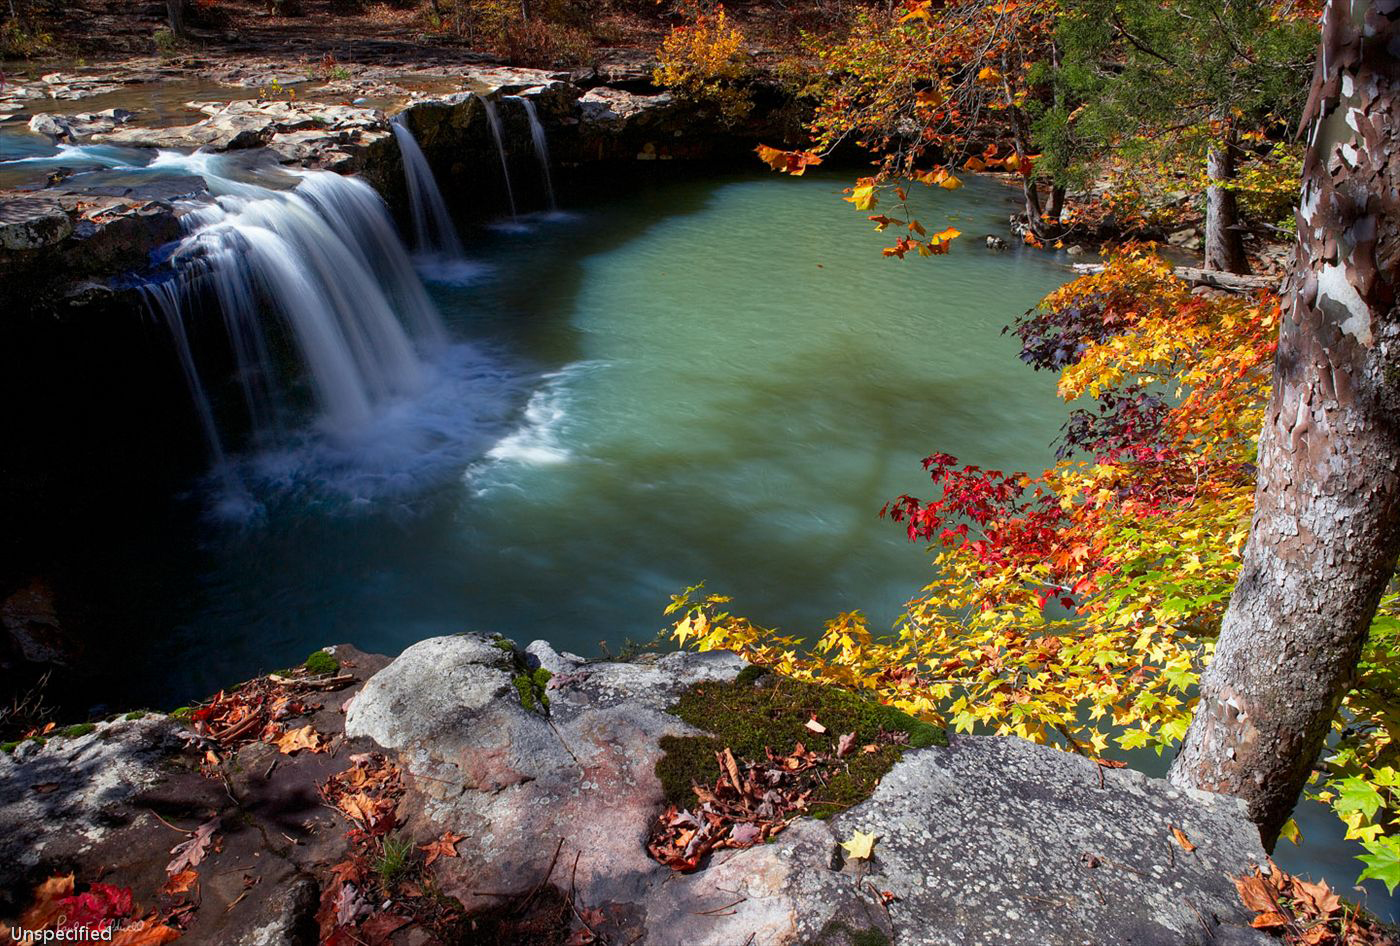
(1224, 250)
(1326, 529)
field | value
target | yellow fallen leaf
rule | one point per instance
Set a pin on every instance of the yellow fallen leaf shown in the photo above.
(1182, 839)
(860, 846)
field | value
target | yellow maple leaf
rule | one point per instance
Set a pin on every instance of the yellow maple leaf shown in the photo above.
(860, 846)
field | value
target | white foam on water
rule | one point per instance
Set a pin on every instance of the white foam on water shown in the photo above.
(541, 438)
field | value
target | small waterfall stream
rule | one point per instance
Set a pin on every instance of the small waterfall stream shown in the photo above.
(541, 143)
(433, 230)
(494, 120)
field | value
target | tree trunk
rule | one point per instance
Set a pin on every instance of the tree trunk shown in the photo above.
(1224, 241)
(1326, 527)
(176, 11)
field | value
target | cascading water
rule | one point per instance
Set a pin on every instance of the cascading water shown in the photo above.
(541, 143)
(325, 257)
(494, 120)
(432, 225)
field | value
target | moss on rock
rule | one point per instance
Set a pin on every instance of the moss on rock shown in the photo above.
(531, 687)
(76, 730)
(759, 710)
(321, 664)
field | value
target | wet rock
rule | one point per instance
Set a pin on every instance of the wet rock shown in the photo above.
(75, 127)
(995, 242)
(32, 223)
(988, 841)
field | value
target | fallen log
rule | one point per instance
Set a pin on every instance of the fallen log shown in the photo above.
(1201, 277)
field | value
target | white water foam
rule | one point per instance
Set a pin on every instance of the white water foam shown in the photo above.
(540, 440)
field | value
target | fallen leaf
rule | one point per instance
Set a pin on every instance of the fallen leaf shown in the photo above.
(180, 883)
(1182, 839)
(1319, 897)
(845, 744)
(296, 739)
(1254, 894)
(48, 902)
(378, 928)
(1269, 921)
(860, 846)
(189, 853)
(444, 846)
(815, 726)
(744, 834)
(1317, 936)
(145, 932)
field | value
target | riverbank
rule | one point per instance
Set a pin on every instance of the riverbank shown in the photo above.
(471, 791)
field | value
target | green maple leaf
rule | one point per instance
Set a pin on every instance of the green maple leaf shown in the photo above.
(1382, 860)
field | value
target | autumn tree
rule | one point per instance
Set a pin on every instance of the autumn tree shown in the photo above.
(1189, 76)
(958, 84)
(1326, 527)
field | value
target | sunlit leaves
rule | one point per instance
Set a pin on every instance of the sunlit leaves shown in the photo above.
(791, 162)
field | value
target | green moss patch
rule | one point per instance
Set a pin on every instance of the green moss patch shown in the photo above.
(321, 664)
(759, 711)
(531, 687)
(76, 730)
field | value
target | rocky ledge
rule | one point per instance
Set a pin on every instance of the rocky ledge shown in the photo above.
(470, 791)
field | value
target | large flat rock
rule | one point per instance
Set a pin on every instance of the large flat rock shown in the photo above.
(989, 841)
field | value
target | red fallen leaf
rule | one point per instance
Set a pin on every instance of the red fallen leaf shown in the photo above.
(377, 929)
(1182, 839)
(97, 907)
(445, 846)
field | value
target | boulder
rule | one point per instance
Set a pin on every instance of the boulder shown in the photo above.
(991, 840)
(75, 127)
(612, 108)
(32, 223)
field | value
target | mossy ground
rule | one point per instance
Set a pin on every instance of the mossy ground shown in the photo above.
(760, 709)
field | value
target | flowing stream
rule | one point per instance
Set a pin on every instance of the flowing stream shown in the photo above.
(716, 380)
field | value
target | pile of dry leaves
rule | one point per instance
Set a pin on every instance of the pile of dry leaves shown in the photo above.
(1307, 914)
(381, 886)
(257, 712)
(749, 802)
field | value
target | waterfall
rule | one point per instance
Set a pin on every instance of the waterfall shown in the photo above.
(541, 146)
(325, 258)
(432, 225)
(494, 120)
(163, 299)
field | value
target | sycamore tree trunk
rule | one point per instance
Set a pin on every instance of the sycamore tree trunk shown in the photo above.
(1326, 526)
(1224, 241)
